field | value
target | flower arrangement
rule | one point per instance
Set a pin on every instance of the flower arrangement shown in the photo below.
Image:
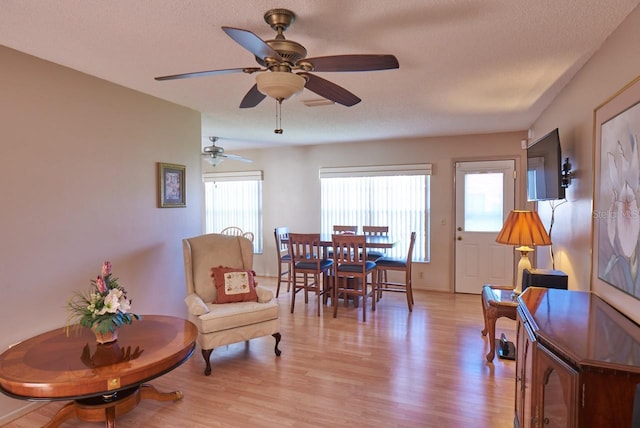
(106, 307)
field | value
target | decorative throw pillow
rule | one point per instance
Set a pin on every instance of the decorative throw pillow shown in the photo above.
(234, 285)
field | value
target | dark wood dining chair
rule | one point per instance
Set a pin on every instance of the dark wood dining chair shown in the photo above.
(284, 258)
(348, 230)
(351, 270)
(387, 264)
(345, 229)
(309, 268)
(375, 231)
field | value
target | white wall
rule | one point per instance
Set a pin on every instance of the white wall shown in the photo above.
(608, 71)
(78, 168)
(292, 188)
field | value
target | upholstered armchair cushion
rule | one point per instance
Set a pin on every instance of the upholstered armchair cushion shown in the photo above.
(228, 316)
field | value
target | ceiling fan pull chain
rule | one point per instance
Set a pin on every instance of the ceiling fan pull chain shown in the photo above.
(278, 129)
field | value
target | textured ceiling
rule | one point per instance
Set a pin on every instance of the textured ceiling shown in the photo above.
(472, 66)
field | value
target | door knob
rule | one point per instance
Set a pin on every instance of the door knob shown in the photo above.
(459, 238)
(459, 229)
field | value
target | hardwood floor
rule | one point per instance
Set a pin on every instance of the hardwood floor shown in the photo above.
(425, 369)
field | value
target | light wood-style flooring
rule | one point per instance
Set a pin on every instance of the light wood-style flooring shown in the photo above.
(424, 369)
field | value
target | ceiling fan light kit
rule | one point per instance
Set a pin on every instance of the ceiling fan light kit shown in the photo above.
(214, 161)
(215, 154)
(280, 85)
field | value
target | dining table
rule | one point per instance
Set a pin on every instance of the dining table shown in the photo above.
(372, 241)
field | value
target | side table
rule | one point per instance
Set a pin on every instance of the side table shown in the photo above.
(497, 301)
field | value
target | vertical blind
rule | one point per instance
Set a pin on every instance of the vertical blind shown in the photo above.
(234, 199)
(396, 196)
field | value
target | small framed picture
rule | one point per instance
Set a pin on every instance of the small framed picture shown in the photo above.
(172, 185)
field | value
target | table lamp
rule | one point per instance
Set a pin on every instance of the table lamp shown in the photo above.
(524, 229)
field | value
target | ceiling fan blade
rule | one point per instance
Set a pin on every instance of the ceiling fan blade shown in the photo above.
(236, 157)
(252, 43)
(330, 90)
(209, 73)
(352, 62)
(252, 98)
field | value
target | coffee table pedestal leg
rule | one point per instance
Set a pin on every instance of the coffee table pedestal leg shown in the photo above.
(98, 409)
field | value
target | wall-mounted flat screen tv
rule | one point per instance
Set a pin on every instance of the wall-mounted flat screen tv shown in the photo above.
(544, 168)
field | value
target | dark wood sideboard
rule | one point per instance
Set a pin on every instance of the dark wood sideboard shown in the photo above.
(578, 362)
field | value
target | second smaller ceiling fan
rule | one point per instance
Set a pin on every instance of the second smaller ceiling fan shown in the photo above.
(216, 154)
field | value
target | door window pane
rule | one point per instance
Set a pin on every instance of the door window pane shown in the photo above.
(483, 201)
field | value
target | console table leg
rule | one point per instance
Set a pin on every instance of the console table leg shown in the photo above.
(484, 314)
(491, 318)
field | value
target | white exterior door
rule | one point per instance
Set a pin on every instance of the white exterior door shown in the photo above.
(485, 193)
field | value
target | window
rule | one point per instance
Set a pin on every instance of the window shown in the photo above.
(396, 196)
(234, 199)
(483, 202)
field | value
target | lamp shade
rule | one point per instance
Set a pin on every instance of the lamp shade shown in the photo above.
(280, 85)
(523, 228)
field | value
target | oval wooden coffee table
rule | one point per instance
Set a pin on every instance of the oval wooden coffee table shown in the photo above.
(103, 381)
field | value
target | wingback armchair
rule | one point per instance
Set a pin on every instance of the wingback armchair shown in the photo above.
(224, 323)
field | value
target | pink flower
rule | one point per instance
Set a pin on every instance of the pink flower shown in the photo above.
(106, 268)
(102, 287)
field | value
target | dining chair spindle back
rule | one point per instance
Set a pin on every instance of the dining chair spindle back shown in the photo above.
(375, 231)
(309, 267)
(351, 269)
(284, 258)
(232, 231)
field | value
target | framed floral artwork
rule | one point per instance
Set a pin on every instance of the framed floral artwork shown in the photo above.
(616, 205)
(172, 186)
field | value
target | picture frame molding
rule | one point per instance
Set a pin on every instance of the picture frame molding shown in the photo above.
(621, 102)
(172, 185)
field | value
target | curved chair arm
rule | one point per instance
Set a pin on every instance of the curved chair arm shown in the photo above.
(196, 305)
(264, 294)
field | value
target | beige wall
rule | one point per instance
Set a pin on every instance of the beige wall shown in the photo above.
(610, 69)
(78, 167)
(291, 192)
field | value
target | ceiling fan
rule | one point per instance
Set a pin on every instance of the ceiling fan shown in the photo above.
(280, 57)
(215, 154)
